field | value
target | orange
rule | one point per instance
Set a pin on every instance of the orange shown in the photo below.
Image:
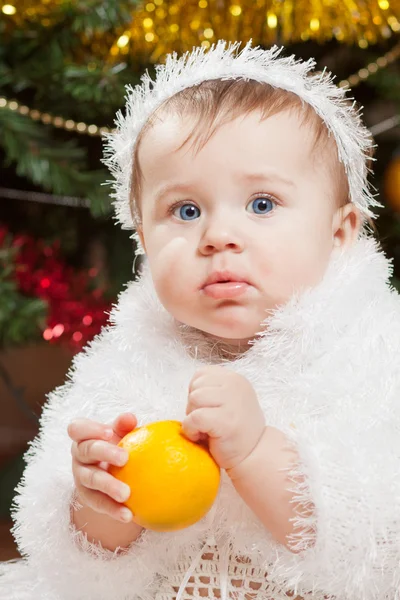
(173, 481)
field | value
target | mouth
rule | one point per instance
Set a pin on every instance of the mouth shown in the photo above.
(224, 277)
(224, 285)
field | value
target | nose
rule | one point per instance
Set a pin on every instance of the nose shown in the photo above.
(218, 237)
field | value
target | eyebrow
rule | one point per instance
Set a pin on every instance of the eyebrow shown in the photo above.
(267, 176)
(167, 188)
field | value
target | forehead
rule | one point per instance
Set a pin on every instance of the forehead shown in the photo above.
(280, 142)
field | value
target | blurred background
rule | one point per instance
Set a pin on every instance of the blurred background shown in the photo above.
(64, 65)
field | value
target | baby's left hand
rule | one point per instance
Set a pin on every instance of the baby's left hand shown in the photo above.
(223, 408)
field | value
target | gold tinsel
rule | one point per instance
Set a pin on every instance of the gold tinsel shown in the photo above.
(161, 26)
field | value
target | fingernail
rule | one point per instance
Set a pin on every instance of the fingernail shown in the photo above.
(121, 457)
(124, 492)
(126, 515)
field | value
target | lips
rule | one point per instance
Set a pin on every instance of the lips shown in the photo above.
(223, 277)
(225, 285)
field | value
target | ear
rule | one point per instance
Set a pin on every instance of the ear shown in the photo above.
(346, 226)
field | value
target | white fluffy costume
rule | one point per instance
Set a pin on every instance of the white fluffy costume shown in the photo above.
(326, 372)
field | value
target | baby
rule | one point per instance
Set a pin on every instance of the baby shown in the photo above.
(232, 225)
(263, 320)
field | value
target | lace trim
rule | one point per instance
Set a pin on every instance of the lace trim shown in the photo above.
(246, 582)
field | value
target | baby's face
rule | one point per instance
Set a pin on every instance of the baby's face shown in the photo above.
(256, 201)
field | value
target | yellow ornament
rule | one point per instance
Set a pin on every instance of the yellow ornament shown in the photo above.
(173, 481)
(392, 184)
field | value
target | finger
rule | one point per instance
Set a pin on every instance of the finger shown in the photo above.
(122, 425)
(202, 398)
(202, 421)
(90, 452)
(204, 371)
(85, 429)
(94, 478)
(211, 378)
(210, 369)
(102, 504)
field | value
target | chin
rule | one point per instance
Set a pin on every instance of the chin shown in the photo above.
(232, 323)
(234, 331)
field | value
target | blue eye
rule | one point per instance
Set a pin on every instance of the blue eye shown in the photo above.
(261, 206)
(187, 212)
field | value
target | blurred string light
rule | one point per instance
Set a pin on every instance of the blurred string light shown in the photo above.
(93, 130)
(48, 119)
(8, 9)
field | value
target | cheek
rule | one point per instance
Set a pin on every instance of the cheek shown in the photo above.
(173, 278)
(299, 258)
(310, 261)
(163, 253)
(310, 270)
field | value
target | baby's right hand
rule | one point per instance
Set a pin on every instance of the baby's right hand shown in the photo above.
(94, 447)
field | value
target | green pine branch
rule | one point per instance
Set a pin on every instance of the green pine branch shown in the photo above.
(57, 166)
(21, 318)
(54, 69)
(53, 83)
(387, 83)
(96, 16)
(83, 16)
(54, 66)
(69, 90)
(99, 91)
